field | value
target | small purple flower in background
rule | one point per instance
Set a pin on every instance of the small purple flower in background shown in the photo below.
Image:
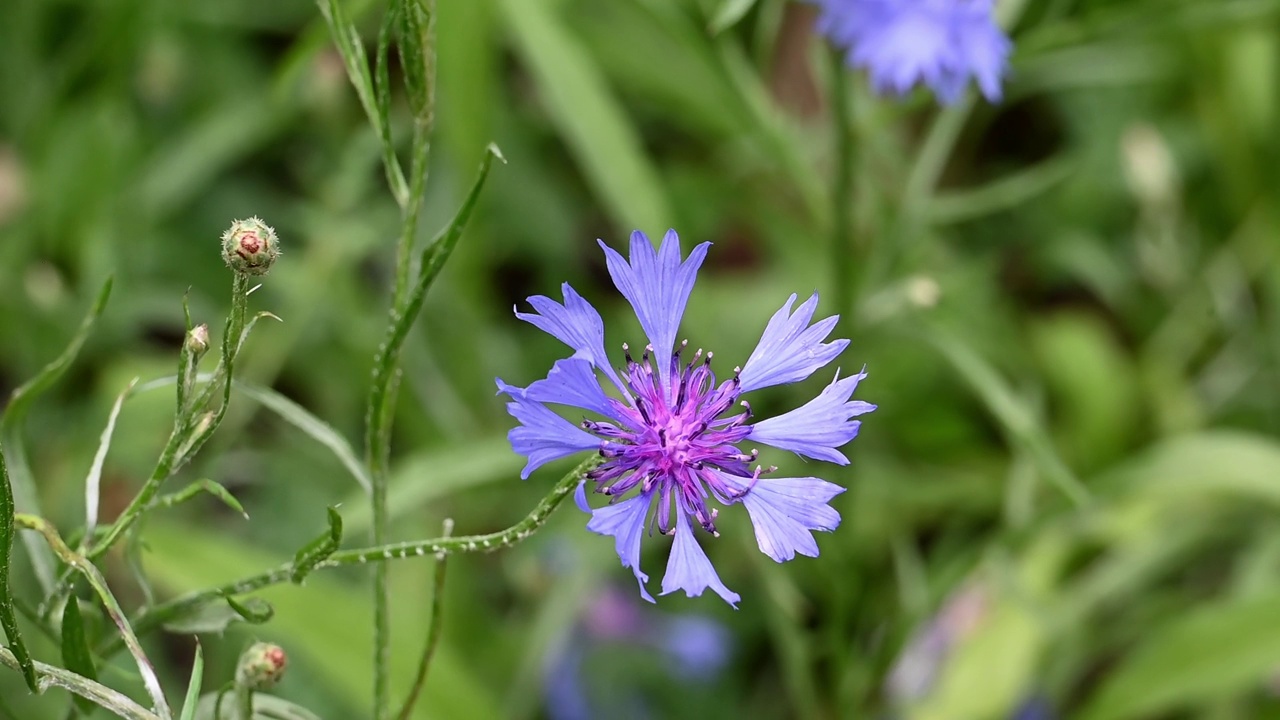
(667, 436)
(692, 648)
(901, 43)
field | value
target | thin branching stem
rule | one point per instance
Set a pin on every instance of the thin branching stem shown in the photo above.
(50, 676)
(433, 630)
(158, 615)
(99, 584)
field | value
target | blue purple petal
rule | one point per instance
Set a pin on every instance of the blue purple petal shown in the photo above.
(818, 427)
(542, 435)
(785, 512)
(902, 43)
(657, 284)
(575, 323)
(573, 381)
(689, 569)
(625, 522)
(791, 350)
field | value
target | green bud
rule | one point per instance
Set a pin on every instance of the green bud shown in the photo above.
(198, 341)
(261, 667)
(250, 247)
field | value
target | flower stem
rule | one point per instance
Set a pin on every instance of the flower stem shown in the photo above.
(187, 433)
(446, 545)
(433, 630)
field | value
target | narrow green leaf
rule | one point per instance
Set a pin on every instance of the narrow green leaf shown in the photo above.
(76, 655)
(193, 688)
(253, 610)
(414, 23)
(8, 617)
(25, 498)
(265, 707)
(435, 255)
(350, 47)
(93, 481)
(729, 13)
(1205, 654)
(1019, 423)
(317, 550)
(317, 429)
(593, 124)
(218, 614)
(433, 259)
(382, 94)
(1001, 194)
(202, 486)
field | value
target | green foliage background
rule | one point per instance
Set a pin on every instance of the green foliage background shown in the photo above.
(1071, 294)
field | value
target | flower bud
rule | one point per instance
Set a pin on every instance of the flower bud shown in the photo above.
(198, 341)
(261, 666)
(250, 247)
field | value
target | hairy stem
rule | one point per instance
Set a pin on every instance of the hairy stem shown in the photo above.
(156, 616)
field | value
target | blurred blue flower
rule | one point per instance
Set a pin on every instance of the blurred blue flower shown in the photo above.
(666, 435)
(691, 647)
(901, 43)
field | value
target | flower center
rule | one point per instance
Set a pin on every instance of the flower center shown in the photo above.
(673, 438)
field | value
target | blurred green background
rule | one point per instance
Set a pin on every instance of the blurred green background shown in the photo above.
(1068, 305)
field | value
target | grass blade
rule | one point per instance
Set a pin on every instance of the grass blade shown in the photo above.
(729, 13)
(99, 584)
(193, 688)
(593, 124)
(8, 618)
(25, 498)
(317, 429)
(75, 648)
(93, 482)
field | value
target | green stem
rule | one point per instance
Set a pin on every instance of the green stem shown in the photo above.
(188, 432)
(433, 630)
(447, 545)
(244, 702)
(50, 676)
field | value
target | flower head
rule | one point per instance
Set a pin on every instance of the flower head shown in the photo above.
(941, 43)
(250, 247)
(669, 431)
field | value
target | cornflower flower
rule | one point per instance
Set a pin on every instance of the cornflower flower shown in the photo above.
(902, 43)
(667, 439)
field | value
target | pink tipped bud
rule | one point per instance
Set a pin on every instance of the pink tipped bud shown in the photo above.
(250, 247)
(261, 666)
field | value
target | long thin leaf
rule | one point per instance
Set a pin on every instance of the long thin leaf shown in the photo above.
(25, 497)
(53, 676)
(319, 549)
(8, 617)
(193, 688)
(597, 130)
(317, 429)
(93, 482)
(99, 584)
(729, 13)
(76, 655)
